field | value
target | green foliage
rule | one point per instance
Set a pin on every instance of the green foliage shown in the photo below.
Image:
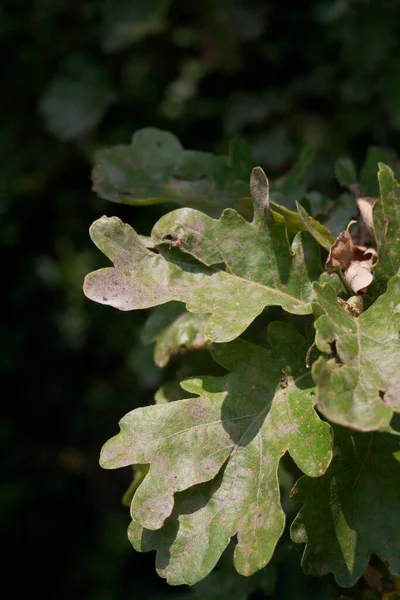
(353, 509)
(214, 457)
(323, 76)
(359, 387)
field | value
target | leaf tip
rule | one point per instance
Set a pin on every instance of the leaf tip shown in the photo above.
(259, 189)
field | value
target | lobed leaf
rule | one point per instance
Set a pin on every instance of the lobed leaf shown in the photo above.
(359, 388)
(155, 168)
(225, 446)
(232, 269)
(352, 511)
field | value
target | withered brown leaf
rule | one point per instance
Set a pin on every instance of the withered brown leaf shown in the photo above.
(341, 252)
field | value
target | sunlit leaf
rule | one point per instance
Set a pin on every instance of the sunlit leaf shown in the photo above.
(229, 440)
(386, 215)
(359, 388)
(236, 268)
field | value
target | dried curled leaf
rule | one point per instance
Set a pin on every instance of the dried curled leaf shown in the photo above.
(341, 252)
(355, 261)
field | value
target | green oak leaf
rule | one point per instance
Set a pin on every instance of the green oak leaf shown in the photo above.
(360, 388)
(229, 268)
(223, 447)
(387, 227)
(155, 169)
(353, 511)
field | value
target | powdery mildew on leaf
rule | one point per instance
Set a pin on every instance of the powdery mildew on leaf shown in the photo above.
(353, 511)
(357, 389)
(386, 215)
(231, 436)
(155, 168)
(236, 268)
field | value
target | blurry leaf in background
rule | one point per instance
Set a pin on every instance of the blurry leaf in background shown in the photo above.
(345, 171)
(369, 171)
(76, 99)
(126, 22)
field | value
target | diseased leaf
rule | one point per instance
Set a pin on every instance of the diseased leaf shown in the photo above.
(358, 388)
(156, 169)
(225, 446)
(229, 268)
(386, 215)
(353, 511)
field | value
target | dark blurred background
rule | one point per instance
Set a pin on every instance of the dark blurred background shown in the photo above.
(82, 75)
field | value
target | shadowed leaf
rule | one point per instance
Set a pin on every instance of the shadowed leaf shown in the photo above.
(156, 169)
(353, 511)
(175, 331)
